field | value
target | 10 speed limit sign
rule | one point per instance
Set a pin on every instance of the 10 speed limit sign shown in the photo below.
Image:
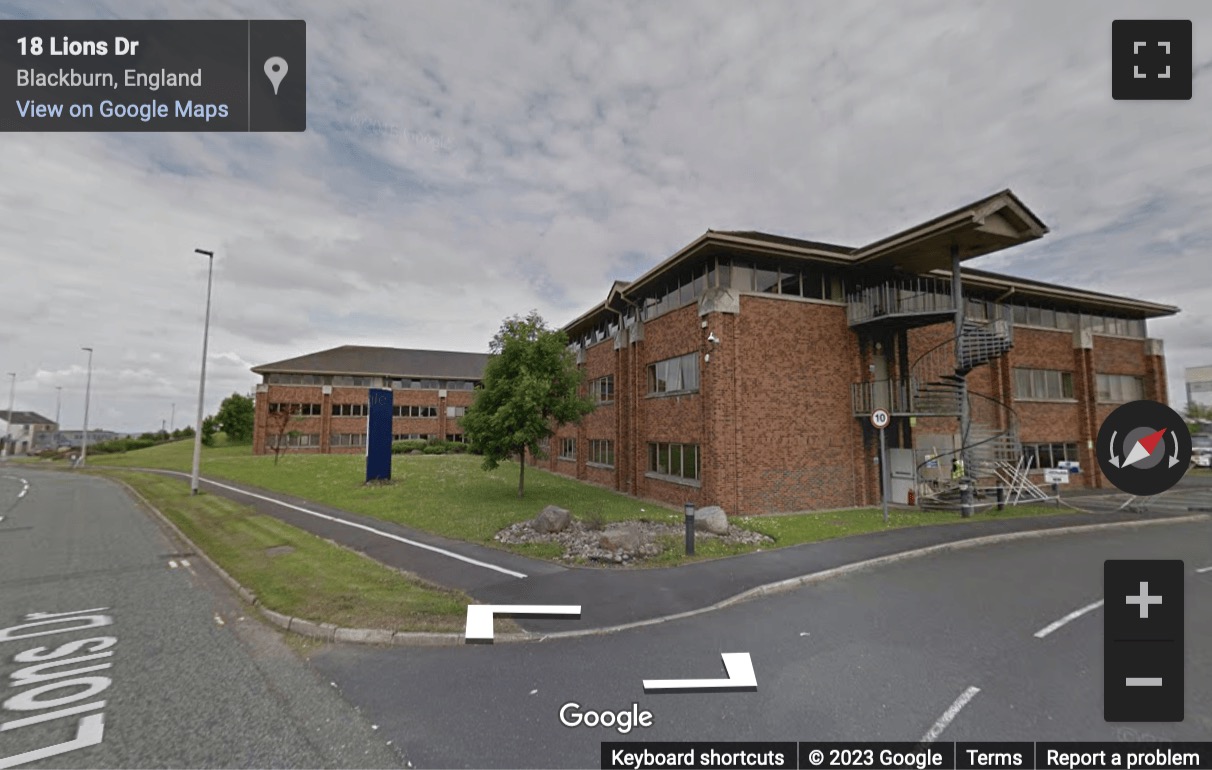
(880, 419)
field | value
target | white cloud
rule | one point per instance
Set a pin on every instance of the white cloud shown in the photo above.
(466, 161)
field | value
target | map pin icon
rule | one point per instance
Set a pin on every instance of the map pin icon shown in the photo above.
(275, 70)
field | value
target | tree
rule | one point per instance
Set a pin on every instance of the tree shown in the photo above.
(531, 386)
(209, 428)
(236, 417)
(277, 424)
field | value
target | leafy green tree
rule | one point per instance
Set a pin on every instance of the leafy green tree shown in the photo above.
(209, 428)
(235, 417)
(531, 386)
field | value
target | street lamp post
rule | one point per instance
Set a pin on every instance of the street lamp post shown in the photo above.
(193, 481)
(58, 405)
(172, 419)
(8, 426)
(88, 386)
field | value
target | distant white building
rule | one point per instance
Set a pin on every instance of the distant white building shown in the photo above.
(1199, 385)
(26, 432)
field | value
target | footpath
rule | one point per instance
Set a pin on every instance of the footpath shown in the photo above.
(615, 598)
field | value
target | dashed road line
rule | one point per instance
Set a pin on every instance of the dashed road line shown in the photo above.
(1202, 570)
(952, 711)
(172, 564)
(1040, 634)
(372, 530)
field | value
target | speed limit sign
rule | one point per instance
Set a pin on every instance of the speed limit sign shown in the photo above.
(880, 419)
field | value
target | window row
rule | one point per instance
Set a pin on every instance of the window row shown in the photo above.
(408, 410)
(1049, 455)
(301, 410)
(296, 440)
(568, 449)
(347, 439)
(344, 380)
(677, 460)
(602, 389)
(674, 375)
(350, 410)
(1032, 314)
(1043, 384)
(410, 436)
(1119, 388)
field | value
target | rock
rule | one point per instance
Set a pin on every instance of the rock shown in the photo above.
(621, 537)
(711, 519)
(552, 519)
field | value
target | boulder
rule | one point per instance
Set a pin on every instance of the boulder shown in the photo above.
(711, 519)
(621, 537)
(552, 519)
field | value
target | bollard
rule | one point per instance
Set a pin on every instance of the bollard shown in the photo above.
(1001, 497)
(1056, 493)
(690, 529)
(966, 506)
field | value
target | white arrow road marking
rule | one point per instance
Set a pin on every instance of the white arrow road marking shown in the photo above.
(740, 676)
(479, 616)
(934, 732)
(1040, 634)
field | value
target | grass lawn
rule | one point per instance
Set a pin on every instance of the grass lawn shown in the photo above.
(317, 580)
(450, 495)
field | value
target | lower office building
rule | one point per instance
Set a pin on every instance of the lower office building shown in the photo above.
(319, 402)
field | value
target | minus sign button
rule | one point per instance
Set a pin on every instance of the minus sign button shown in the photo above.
(1144, 681)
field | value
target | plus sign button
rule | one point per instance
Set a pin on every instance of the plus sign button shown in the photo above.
(1151, 59)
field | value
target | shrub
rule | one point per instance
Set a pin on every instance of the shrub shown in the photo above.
(594, 520)
(457, 448)
(435, 449)
(408, 445)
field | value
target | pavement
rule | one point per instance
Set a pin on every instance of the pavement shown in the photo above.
(616, 598)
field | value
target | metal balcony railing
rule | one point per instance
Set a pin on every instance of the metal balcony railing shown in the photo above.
(891, 395)
(907, 296)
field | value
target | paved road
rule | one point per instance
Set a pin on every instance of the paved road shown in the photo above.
(876, 655)
(162, 683)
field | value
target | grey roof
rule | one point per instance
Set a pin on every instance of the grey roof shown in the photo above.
(392, 362)
(25, 418)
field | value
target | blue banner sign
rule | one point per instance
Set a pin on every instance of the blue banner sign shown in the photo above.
(378, 435)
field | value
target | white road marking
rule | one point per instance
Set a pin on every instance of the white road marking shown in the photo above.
(372, 530)
(48, 716)
(1204, 569)
(738, 665)
(172, 564)
(934, 732)
(479, 616)
(219, 619)
(185, 562)
(89, 732)
(1040, 634)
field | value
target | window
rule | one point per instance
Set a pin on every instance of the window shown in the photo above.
(355, 382)
(601, 452)
(1119, 388)
(1049, 455)
(347, 439)
(410, 437)
(456, 411)
(678, 461)
(602, 389)
(414, 411)
(767, 280)
(674, 375)
(457, 438)
(568, 449)
(350, 410)
(300, 410)
(1043, 384)
(296, 440)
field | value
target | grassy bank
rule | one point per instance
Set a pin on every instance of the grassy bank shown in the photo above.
(452, 496)
(296, 573)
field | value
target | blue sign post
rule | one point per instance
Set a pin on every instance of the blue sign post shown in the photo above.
(378, 435)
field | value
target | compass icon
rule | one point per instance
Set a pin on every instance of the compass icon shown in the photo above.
(1144, 448)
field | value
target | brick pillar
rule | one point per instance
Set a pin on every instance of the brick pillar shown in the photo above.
(325, 419)
(1085, 389)
(1156, 387)
(442, 415)
(260, 419)
(718, 387)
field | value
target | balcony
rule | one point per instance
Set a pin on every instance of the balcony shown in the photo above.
(915, 301)
(906, 398)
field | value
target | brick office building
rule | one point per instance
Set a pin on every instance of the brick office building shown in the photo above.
(742, 370)
(327, 393)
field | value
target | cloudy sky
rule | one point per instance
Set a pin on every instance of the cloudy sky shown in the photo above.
(465, 161)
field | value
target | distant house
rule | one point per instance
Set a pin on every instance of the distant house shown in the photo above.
(26, 431)
(74, 439)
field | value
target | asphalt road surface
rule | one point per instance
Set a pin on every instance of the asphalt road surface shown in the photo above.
(117, 650)
(951, 647)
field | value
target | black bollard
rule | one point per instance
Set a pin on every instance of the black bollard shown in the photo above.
(690, 529)
(1001, 497)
